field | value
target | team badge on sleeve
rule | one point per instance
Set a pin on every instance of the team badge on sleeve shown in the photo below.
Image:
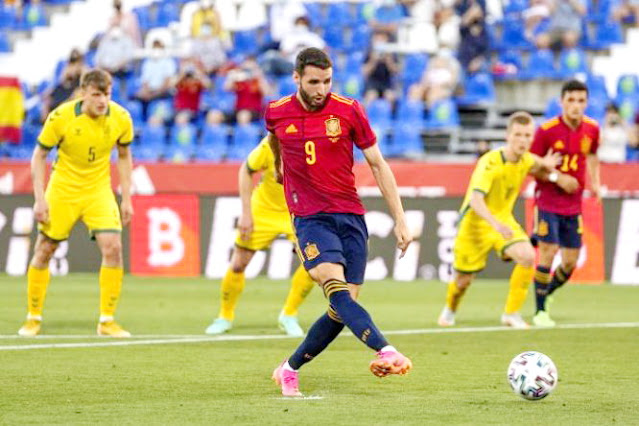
(333, 127)
(311, 251)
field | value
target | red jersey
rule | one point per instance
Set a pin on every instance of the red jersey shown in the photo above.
(574, 146)
(317, 153)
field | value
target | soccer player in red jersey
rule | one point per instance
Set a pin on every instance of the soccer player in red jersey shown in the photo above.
(558, 222)
(312, 134)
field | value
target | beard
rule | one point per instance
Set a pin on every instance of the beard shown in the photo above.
(309, 101)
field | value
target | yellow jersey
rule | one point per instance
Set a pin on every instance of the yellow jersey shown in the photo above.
(269, 194)
(84, 145)
(499, 180)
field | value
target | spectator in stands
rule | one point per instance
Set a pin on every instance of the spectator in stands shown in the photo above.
(128, 21)
(627, 11)
(614, 137)
(474, 46)
(280, 62)
(380, 66)
(447, 24)
(215, 118)
(633, 140)
(250, 87)
(563, 25)
(67, 86)
(189, 87)
(207, 15)
(115, 52)
(482, 147)
(156, 79)
(283, 14)
(208, 51)
(441, 77)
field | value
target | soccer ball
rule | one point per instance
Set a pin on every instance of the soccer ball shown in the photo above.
(532, 375)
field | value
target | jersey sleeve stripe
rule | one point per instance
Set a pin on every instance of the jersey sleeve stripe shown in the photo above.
(550, 123)
(125, 143)
(43, 146)
(280, 102)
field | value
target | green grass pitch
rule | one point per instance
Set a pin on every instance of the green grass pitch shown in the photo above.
(458, 377)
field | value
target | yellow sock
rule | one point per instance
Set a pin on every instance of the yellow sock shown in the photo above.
(454, 295)
(301, 285)
(520, 281)
(110, 287)
(230, 290)
(37, 283)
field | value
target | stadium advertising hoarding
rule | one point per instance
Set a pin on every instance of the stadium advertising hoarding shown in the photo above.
(170, 232)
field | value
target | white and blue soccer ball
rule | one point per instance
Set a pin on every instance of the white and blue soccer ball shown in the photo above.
(532, 375)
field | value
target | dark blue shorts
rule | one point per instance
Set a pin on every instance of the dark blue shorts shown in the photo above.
(554, 228)
(334, 238)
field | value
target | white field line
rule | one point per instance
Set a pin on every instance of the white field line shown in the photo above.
(170, 339)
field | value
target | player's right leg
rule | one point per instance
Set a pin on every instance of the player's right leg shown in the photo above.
(230, 290)
(301, 285)
(455, 290)
(546, 233)
(37, 282)
(523, 253)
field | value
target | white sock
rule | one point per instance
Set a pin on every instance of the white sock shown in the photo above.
(34, 317)
(288, 367)
(388, 348)
(105, 318)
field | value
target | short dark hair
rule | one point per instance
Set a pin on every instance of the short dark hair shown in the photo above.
(314, 57)
(519, 117)
(573, 86)
(97, 78)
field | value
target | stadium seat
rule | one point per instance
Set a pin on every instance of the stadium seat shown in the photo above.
(627, 86)
(606, 34)
(339, 14)
(167, 13)
(7, 16)
(334, 38)
(553, 108)
(151, 144)
(144, 19)
(511, 65)
(379, 113)
(353, 63)
(213, 143)
(161, 107)
(443, 115)
(627, 109)
(360, 38)
(406, 141)
(286, 86)
(410, 112)
(479, 89)
(513, 35)
(413, 68)
(183, 135)
(34, 16)
(135, 109)
(596, 107)
(603, 9)
(597, 86)
(244, 139)
(352, 85)
(572, 62)
(315, 13)
(245, 42)
(179, 154)
(5, 46)
(541, 65)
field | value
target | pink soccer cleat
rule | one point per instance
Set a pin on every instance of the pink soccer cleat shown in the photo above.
(390, 363)
(287, 380)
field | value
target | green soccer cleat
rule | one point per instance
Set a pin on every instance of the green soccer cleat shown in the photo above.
(549, 301)
(542, 319)
(290, 326)
(219, 326)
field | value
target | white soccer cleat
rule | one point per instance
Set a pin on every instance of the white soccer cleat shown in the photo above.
(219, 326)
(446, 318)
(290, 325)
(514, 320)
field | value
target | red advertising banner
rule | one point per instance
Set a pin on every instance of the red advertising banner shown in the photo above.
(590, 266)
(416, 178)
(165, 235)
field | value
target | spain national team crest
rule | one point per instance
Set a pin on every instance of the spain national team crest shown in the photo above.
(311, 251)
(585, 144)
(542, 228)
(333, 127)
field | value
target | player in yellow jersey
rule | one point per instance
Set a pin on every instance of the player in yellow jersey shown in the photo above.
(84, 131)
(486, 221)
(264, 217)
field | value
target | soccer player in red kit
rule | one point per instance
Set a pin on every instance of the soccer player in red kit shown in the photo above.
(558, 222)
(312, 134)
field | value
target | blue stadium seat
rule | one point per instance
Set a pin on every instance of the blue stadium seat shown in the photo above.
(213, 143)
(34, 16)
(161, 107)
(513, 35)
(339, 14)
(245, 42)
(167, 13)
(606, 34)
(410, 111)
(480, 89)
(512, 61)
(135, 109)
(597, 86)
(413, 68)
(541, 65)
(286, 86)
(627, 109)
(406, 141)
(244, 139)
(515, 7)
(553, 108)
(354, 62)
(334, 38)
(7, 16)
(183, 135)
(179, 154)
(360, 38)
(627, 86)
(151, 144)
(316, 15)
(144, 18)
(352, 85)
(5, 46)
(596, 107)
(603, 10)
(379, 113)
(443, 115)
(572, 62)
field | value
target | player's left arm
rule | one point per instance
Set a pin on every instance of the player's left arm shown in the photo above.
(387, 184)
(544, 170)
(125, 168)
(594, 172)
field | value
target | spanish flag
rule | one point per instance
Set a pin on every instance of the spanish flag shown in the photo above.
(11, 109)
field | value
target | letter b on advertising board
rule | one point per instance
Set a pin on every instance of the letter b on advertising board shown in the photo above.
(165, 235)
